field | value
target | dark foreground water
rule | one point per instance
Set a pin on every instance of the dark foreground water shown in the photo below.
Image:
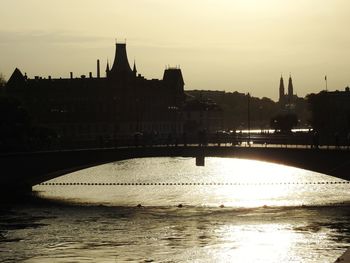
(117, 234)
(271, 214)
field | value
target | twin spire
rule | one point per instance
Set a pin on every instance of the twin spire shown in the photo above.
(290, 89)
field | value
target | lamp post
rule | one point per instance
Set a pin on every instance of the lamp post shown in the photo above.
(248, 119)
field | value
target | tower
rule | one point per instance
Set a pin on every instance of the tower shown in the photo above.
(290, 89)
(281, 97)
(121, 67)
(174, 81)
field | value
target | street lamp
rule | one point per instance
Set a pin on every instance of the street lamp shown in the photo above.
(248, 119)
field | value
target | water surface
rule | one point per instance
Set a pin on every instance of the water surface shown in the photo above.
(270, 213)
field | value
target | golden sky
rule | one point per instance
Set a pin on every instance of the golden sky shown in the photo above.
(232, 45)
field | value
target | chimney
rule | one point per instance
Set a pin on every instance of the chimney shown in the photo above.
(98, 68)
(71, 75)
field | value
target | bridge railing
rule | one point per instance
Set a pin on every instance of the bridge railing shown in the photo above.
(301, 139)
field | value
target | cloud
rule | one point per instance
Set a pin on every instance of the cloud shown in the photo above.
(26, 37)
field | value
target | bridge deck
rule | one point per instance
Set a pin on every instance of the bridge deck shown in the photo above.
(22, 170)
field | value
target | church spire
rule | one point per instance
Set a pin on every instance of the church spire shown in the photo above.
(281, 90)
(107, 68)
(290, 87)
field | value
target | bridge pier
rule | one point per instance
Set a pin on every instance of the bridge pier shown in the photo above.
(200, 160)
(11, 192)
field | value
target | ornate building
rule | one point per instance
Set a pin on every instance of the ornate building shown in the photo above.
(103, 108)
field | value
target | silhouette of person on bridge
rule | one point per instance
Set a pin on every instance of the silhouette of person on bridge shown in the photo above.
(336, 139)
(184, 139)
(315, 140)
(169, 140)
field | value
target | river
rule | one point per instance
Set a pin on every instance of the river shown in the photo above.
(169, 210)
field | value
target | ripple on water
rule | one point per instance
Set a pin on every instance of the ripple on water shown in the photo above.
(281, 214)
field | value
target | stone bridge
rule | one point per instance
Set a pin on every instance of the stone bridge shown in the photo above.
(20, 171)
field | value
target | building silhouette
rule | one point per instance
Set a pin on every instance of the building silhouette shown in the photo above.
(110, 108)
(331, 115)
(287, 100)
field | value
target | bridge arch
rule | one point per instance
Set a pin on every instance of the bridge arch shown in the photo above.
(23, 170)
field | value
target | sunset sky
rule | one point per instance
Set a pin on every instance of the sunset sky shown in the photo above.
(231, 45)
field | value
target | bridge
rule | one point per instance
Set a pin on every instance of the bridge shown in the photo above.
(20, 171)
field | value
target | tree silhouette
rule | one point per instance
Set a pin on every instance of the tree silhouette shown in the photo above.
(2, 81)
(284, 122)
(17, 132)
(14, 124)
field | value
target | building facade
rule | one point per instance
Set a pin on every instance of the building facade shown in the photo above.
(110, 108)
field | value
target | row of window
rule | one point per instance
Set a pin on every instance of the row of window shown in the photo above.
(91, 130)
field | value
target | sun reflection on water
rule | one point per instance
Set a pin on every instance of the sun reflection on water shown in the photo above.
(171, 181)
(257, 240)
